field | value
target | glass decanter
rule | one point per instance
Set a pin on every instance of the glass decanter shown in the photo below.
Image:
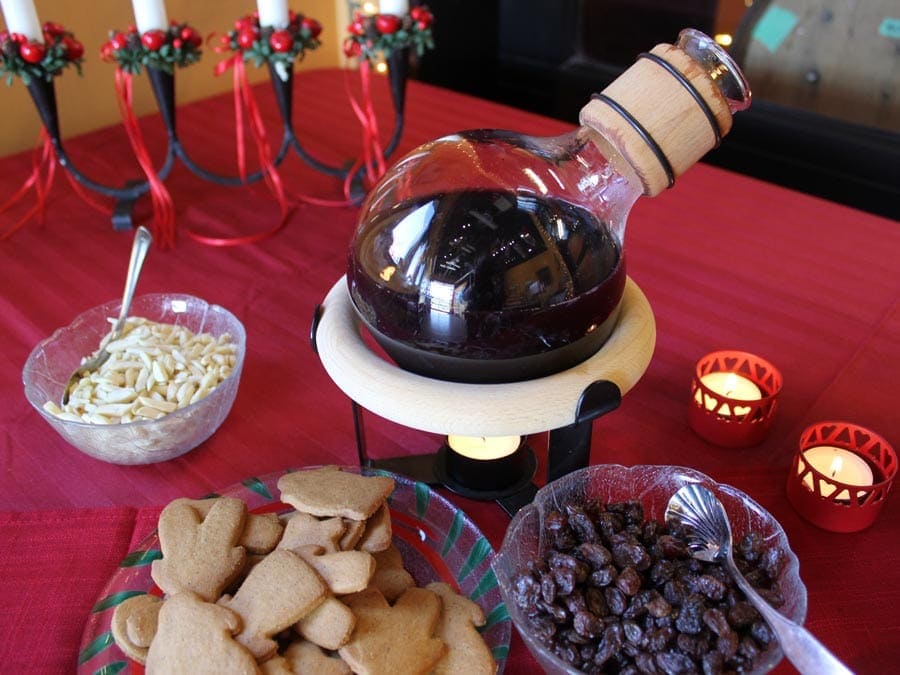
(492, 256)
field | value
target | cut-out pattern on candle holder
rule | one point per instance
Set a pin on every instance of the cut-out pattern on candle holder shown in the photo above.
(729, 422)
(821, 504)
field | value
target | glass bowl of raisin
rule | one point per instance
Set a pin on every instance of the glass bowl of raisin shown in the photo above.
(596, 582)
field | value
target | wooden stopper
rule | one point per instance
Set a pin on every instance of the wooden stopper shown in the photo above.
(662, 114)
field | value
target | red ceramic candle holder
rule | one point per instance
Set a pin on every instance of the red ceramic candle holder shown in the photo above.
(832, 504)
(733, 422)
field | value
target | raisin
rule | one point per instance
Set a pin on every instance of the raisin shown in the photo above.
(615, 600)
(631, 554)
(657, 639)
(633, 632)
(713, 663)
(761, 633)
(583, 525)
(711, 587)
(645, 663)
(526, 592)
(750, 547)
(548, 588)
(742, 613)
(609, 524)
(674, 663)
(727, 645)
(629, 581)
(595, 601)
(564, 580)
(670, 547)
(773, 561)
(586, 624)
(604, 576)
(658, 606)
(717, 622)
(594, 554)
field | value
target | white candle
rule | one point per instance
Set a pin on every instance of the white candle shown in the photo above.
(484, 447)
(150, 15)
(21, 17)
(837, 463)
(273, 13)
(729, 385)
(396, 7)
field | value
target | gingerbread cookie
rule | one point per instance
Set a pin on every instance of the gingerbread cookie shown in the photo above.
(466, 649)
(279, 591)
(390, 577)
(329, 625)
(394, 639)
(194, 636)
(306, 530)
(200, 554)
(134, 625)
(342, 571)
(305, 657)
(329, 492)
(378, 532)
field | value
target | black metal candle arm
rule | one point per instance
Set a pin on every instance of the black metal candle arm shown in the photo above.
(162, 84)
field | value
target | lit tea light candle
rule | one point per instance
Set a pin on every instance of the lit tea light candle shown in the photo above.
(840, 464)
(729, 385)
(395, 7)
(484, 447)
(21, 17)
(150, 15)
(273, 13)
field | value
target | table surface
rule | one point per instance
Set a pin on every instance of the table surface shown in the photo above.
(727, 262)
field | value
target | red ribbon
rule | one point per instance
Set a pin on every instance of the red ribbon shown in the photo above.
(163, 207)
(43, 169)
(244, 100)
(373, 155)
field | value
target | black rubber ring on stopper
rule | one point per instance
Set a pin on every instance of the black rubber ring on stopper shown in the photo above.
(643, 133)
(691, 89)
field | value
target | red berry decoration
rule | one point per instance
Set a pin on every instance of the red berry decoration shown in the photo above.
(53, 28)
(191, 37)
(119, 41)
(281, 41)
(106, 52)
(246, 37)
(177, 43)
(18, 37)
(425, 19)
(357, 28)
(352, 49)
(387, 23)
(74, 49)
(153, 40)
(311, 25)
(32, 52)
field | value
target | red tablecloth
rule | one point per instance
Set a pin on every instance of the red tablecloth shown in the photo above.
(727, 262)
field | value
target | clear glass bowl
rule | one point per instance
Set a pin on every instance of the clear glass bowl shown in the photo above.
(54, 359)
(652, 486)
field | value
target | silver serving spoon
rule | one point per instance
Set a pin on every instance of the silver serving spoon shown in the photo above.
(708, 532)
(142, 241)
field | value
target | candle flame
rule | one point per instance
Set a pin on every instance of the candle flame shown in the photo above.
(836, 465)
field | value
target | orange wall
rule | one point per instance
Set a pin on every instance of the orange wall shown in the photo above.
(88, 102)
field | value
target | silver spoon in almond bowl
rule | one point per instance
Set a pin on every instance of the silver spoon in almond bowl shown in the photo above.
(142, 241)
(704, 522)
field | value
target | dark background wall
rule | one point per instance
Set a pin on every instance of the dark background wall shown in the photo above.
(549, 56)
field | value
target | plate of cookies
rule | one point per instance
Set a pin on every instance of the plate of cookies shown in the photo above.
(326, 569)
